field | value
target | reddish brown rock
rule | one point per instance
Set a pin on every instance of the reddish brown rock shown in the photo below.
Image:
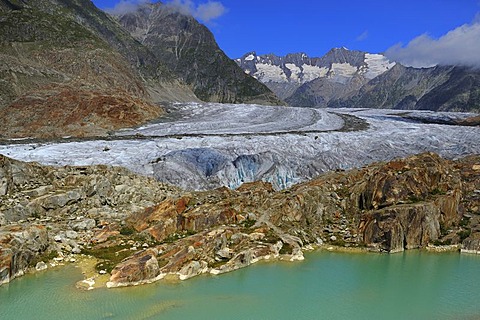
(76, 112)
(19, 246)
(140, 268)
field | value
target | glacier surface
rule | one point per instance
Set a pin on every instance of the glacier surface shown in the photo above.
(207, 146)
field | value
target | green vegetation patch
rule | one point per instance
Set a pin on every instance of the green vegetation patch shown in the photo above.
(464, 234)
(439, 242)
(247, 223)
(46, 256)
(286, 249)
(109, 256)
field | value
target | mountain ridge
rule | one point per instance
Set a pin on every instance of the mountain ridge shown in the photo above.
(363, 80)
(190, 51)
(285, 74)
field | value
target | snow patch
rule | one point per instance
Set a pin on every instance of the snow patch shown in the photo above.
(342, 72)
(270, 73)
(313, 72)
(376, 65)
(296, 72)
(250, 57)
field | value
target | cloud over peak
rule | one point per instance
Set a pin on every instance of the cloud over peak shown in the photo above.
(205, 12)
(126, 6)
(460, 46)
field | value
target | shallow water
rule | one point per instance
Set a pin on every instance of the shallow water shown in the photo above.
(413, 285)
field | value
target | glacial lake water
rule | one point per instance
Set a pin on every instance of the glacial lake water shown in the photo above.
(327, 285)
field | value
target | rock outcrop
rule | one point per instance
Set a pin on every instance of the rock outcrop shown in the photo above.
(142, 231)
(78, 205)
(140, 268)
(20, 248)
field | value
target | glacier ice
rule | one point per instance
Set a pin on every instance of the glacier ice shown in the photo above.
(208, 146)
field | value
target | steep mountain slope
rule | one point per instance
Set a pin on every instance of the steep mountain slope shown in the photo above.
(66, 68)
(460, 93)
(339, 68)
(441, 88)
(189, 49)
(400, 88)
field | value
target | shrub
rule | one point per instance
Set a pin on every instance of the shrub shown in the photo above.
(464, 234)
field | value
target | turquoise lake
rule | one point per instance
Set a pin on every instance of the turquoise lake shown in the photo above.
(327, 285)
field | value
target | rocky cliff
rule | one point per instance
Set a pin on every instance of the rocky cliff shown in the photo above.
(189, 49)
(142, 231)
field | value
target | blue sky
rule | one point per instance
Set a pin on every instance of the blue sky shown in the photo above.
(315, 26)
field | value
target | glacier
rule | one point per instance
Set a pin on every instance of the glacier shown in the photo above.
(204, 146)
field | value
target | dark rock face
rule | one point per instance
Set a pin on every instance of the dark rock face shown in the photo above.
(322, 92)
(189, 49)
(441, 88)
(461, 92)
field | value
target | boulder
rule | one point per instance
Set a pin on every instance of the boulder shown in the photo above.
(70, 234)
(52, 202)
(192, 269)
(40, 266)
(140, 268)
(86, 224)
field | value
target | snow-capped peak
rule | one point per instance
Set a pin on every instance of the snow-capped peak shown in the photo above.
(338, 65)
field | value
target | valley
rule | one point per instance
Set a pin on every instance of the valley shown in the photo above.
(134, 148)
(208, 146)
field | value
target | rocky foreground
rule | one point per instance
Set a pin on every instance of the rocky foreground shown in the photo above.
(141, 231)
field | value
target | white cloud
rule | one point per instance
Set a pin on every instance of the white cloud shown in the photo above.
(460, 46)
(205, 11)
(362, 36)
(209, 11)
(126, 6)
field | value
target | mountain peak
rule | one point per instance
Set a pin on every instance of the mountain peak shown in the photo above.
(189, 49)
(339, 66)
